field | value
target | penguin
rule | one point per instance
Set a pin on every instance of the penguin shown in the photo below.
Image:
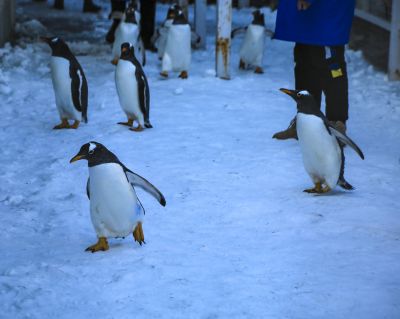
(69, 84)
(133, 89)
(115, 209)
(128, 30)
(320, 144)
(177, 52)
(160, 40)
(252, 49)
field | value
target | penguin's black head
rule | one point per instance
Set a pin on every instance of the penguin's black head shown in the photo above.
(258, 18)
(57, 45)
(130, 16)
(172, 10)
(95, 153)
(127, 51)
(180, 17)
(305, 101)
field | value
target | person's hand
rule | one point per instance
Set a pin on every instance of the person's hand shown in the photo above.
(303, 5)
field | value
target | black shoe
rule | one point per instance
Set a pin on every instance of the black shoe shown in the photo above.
(59, 4)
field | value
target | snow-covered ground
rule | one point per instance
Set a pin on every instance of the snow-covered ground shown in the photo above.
(238, 237)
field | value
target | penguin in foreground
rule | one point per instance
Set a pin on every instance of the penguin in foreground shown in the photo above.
(69, 83)
(320, 145)
(128, 30)
(177, 52)
(115, 209)
(252, 49)
(133, 89)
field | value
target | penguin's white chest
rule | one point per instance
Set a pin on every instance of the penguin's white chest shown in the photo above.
(62, 88)
(127, 88)
(114, 207)
(252, 49)
(177, 53)
(126, 32)
(320, 150)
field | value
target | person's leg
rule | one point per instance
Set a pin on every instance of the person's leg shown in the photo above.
(90, 7)
(336, 85)
(58, 4)
(147, 21)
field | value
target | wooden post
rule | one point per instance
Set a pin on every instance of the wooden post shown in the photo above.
(394, 48)
(184, 4)
(223, 41)
(200, 25)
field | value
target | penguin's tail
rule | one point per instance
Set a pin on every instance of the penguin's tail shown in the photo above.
(344, 184)
(147, 124)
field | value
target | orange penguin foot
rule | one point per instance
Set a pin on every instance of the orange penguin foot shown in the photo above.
(164, 74)
(318, 189)
(75, 125)
(138, 234)
(259, 70)
(129, 123)
(102, 244)
(183, 75)
(64, 124)
(139, 128)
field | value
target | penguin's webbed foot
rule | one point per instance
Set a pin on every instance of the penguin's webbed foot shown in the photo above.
(139, 128)
(64, 124)
(101, 244)
(183, 75)
(75, 125)
(138, 234)
(129, 123)
(164, 74)
(318, 189)
(242, 65)
(259, 70)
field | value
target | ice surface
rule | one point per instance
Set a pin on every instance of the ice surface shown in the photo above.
(238, 237)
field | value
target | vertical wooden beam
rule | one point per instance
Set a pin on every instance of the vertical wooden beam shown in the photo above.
(394, 48)
(223, 41)
(184, 4)
(200, 25)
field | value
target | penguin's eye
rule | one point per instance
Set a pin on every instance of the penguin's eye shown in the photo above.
(299, 94)
(91, 152)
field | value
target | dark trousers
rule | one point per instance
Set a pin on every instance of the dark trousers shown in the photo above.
(148, 15)
(323, 69)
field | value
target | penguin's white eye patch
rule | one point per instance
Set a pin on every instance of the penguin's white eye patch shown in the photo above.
(303, 93)
(91, 148)
(54, 40)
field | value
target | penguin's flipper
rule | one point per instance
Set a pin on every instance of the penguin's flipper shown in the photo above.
(346, 140)
(144, 95)
(237, 31)
(142, 50)
(79, 88)
(88, 188)
(144, 184)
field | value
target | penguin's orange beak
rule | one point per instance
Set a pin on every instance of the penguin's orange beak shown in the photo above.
(77, 158)
(288, 92)
(44, 39)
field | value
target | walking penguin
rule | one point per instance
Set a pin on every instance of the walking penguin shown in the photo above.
(115, 209)
(321, 145)
(69, 83)
(133, 89)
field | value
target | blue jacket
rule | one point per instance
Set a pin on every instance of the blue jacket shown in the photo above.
(325, 22)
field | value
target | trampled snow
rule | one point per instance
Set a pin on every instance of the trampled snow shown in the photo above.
(238, 237)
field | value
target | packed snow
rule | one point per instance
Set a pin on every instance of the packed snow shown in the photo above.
(238, 237)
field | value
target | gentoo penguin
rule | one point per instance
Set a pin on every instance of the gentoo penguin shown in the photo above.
(128, 30)
(177, 52)
(115, 210)
(323, 155)
(162, 33)
(252, 49)
(133, 89)
(69, 83)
